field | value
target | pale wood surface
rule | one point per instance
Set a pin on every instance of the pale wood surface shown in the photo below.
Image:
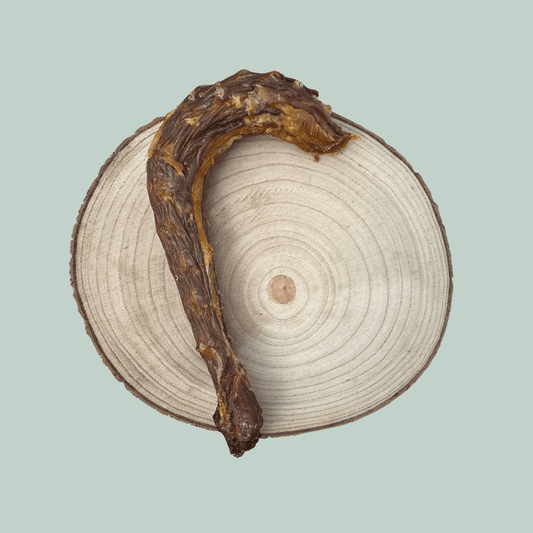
(360, 318)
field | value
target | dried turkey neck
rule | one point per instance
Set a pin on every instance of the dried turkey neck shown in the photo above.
(186, 146)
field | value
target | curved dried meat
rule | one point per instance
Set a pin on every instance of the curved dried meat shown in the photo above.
(185, 147)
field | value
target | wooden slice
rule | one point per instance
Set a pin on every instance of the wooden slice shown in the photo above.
(335, 279)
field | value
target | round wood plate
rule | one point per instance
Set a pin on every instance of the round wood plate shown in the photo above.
(335, 276)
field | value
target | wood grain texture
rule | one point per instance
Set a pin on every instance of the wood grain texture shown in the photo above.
(357, 234)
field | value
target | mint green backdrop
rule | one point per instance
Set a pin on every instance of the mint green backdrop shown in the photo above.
(448, 85)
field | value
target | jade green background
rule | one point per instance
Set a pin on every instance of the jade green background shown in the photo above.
(449, 85)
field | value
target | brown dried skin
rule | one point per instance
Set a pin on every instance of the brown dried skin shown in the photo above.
(186, 146)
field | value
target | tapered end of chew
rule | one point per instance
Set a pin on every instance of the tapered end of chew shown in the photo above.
(237, 446)
(240, 437)
(238, 416)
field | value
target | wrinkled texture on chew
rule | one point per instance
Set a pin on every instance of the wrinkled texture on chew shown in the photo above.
(185, 147)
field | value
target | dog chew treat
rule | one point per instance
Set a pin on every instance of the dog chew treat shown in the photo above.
(186, 146)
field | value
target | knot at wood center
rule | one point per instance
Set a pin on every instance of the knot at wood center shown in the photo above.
(281, 289)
